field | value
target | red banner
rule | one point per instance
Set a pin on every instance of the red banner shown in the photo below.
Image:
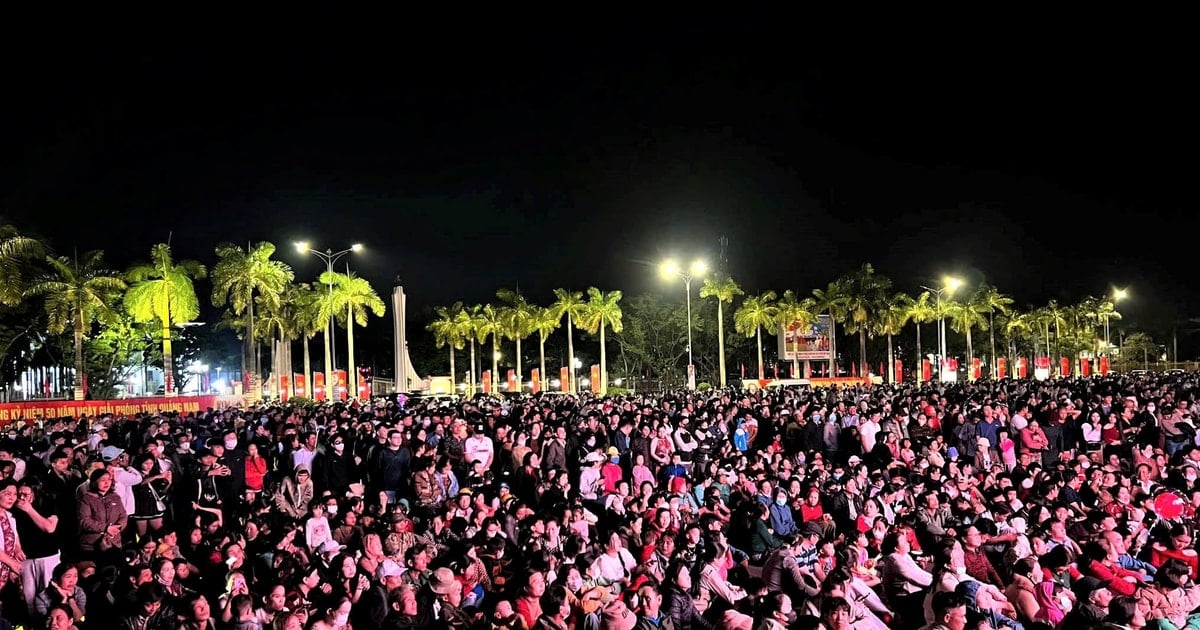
(926, 370)
(1103, 366)
(513, 386)
(807, 370)
(487, 381)
(1001, 367)
(976, 369)
(564, 379)
(1064, 367)
(1022, 368)
(898, 376)
(301, 385)
(364, 389)
(1085, 367)
(339, 390)
(319, 386)
(536, 375)
(595, 379)
(35, 410)
(283, 387)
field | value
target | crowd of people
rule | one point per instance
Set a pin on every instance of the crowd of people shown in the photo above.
(1011, 504)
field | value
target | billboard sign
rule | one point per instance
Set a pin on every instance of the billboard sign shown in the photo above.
(807, 343)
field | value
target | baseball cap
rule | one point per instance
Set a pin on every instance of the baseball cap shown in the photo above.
(109, 453)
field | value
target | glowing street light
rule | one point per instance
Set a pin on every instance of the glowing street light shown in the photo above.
(1118, 295)
(950, 284)
(670, 270)
(330, 257)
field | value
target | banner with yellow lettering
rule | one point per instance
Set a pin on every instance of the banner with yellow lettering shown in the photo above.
(32, 411)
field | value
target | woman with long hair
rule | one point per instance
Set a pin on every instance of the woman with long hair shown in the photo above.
(150, 495)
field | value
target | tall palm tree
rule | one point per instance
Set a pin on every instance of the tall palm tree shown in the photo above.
(239, 275)
(162, 290)
(864, 293)
(966, 316)
(353, 299)
(489, 323)
(602, 312)
(306, 322)
(988, 299)
(275, 323)
(890, 321)
(77, 292)
(757, 312)
(517, 314)
(468, 323)
(569, 304)
(724, 289)
(16, 251)
(544, 324)
(448, 332)
(1055, 317)
(792, 312)
(922, 310)
(831, 301)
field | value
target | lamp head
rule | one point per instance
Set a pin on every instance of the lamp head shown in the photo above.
(668, 269)
(1120, 294)
(357, 247)
(952, 283)
(699, 267)
(302, 246)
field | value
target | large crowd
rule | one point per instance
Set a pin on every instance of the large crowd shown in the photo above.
(1012, 504)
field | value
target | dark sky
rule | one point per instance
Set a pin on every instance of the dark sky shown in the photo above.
(466, 165)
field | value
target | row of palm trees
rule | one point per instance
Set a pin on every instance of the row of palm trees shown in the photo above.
(863, 303)
(264, 303)
(514, 318)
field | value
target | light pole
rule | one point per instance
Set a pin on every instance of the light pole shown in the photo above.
(670, 269)
(950, 284)
(330, 257)
(1118, 295)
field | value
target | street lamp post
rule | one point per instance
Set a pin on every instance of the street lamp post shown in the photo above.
(950, 285)
(330, 257)
(1118, 295)
(670, 269)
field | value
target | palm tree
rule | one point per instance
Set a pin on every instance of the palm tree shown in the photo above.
(571, 305)
(163, 291)
(15, 252)
(1105, 311)
(922, 310)
(989, 300)
(1054, 317)
(830, 301)
(756, 313)
(239, 275)
(448, 332)
(724, 289)
(489, 323)
(275, 324)
(891, 321)
(544, 323)
(307, 322)
(467, 322)
(863, 294)
(602, 311)
(794, 313)
(517, 314)
(353, 299)
(77, 292)
(964, 317)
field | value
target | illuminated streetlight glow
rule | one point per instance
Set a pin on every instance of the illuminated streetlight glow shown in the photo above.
(330, 257)
(669, 270)
(357, 247)
(950, 284)
(1120, 294)
(302, 246)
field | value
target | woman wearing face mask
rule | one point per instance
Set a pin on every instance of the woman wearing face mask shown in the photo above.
(336, 617)
(949, 569)
(777, 612)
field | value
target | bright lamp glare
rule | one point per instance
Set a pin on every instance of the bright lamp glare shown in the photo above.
(668, 269)
(302, 246)
(357, 247)
(952, 283)
(699, 267)
(1120, 294)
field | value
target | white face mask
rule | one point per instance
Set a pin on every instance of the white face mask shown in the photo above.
(331, 510)
(341, 619)
(231, 444)
(339, 447)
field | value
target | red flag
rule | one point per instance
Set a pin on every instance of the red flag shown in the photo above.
(775, 367)
(853, 369)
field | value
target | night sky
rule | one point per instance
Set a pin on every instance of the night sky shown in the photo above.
(464, 166)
